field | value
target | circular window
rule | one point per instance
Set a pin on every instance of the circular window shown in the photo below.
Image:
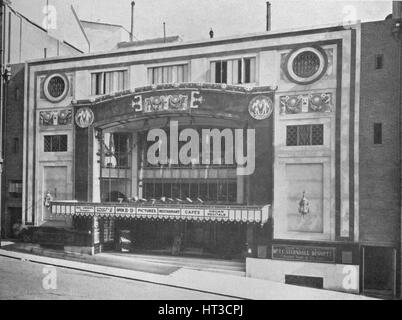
(56, 87)
(306, 65)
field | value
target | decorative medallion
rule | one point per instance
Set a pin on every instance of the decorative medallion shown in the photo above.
(315, 102)
(56, 87)
(84, 117)
(260, 107)
(306, 65)
(55, 118)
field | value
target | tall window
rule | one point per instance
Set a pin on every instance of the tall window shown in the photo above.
(116, 150)
(237, 71)
(168, 74)
(217, 191)
(108, 82)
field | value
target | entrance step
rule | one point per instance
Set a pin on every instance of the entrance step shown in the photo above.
(232, 267)
(222, 271)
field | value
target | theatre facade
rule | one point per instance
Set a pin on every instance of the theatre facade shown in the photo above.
(242, 148)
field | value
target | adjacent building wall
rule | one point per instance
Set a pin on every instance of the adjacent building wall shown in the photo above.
(26, 40)
(58, 19)
(380, 163)
(104, 37)
(13, 148)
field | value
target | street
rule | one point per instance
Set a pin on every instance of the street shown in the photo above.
(27, 280)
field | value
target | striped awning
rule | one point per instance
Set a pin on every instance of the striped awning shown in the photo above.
(218, 213)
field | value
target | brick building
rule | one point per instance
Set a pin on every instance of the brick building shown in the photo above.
(380, 149)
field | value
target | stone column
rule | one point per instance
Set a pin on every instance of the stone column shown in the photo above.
(134, 165)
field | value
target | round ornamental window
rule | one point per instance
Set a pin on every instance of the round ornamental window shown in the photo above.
(306, 65)
(55, 87)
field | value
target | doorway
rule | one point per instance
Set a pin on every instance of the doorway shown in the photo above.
(379, 272)
(202, 239)
(15, 215)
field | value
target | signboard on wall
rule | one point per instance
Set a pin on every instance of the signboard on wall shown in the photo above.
(303, 253)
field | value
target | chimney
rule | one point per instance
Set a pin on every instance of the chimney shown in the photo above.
(268, 16)
(132, 21)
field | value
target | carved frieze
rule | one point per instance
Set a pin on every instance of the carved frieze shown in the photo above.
(167, 102)
(56, 118)
(314, 102)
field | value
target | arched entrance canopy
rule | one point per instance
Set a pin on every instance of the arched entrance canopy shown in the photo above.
(191, 105)
(153, 105)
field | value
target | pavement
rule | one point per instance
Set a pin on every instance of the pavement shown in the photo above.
(158, 264)
(224, 278)
(25, 280)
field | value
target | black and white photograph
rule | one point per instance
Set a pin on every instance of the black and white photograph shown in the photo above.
(178, 151)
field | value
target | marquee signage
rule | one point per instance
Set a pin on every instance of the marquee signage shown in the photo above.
(147, 211)
(169, 212)
(193, 212)
(303, 253)
(125, 210)
(172, 102)
(249, 214)
(85, 209)
(104, 209)
(217, 213)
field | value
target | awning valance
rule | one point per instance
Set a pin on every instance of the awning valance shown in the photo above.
(218, 213)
